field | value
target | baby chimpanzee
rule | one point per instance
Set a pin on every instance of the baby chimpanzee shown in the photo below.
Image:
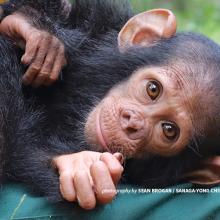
(131, 86)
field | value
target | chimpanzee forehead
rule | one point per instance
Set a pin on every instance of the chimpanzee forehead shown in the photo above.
(176, 86)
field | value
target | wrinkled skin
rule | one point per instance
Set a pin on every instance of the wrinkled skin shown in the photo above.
(129, 121)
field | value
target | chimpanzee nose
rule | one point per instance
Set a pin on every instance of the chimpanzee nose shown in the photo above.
(132, 124)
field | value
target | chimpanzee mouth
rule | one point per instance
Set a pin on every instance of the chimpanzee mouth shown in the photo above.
(109, 137)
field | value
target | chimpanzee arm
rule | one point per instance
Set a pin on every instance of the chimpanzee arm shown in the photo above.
(33, 167)
(27, 153)
(86, 18)
(32, 144)
(43, 15)
(31, 26)
(31, 162)
(40, 42)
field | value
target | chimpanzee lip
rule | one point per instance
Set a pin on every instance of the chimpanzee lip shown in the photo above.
(100, 135)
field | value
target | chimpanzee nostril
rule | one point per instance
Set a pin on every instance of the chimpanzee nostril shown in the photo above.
(132, 124)
(131, 130)
(126, 114)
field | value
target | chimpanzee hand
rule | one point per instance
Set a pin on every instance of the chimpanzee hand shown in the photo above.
(44, 53)
(89, 177)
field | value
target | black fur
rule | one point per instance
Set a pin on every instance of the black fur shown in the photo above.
(38, 124)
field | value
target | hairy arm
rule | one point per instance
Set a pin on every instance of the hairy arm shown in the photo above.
(44, 53)
(33, 166)
(39, 24)
(31, 24)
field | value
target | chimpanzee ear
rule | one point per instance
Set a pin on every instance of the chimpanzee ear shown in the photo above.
(208, 174)
(147, 27)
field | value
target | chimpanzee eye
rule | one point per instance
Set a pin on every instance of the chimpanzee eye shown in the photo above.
(170, 130)
(153, 89)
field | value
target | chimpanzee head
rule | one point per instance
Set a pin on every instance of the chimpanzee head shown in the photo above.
(168, 102)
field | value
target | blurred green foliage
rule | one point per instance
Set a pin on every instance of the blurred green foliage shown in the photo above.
(201, 16)
(195, 15)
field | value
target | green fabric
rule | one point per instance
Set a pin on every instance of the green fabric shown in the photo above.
(17, 203)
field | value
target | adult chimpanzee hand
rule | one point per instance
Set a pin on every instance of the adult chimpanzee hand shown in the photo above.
(44, 53)
(89, 177)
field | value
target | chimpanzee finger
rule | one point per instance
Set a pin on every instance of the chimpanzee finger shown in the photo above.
(103, 183)
(59, 62)
(66, 186)
(119, 157)
(84, 190)
(44, 74)
(31, 49)
(114, 166)
(37, 64)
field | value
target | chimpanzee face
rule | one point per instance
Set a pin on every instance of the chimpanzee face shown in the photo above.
(149, 113)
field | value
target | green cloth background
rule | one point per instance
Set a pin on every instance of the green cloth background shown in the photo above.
(17, 203)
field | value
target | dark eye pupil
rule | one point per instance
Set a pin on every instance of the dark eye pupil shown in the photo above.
(170, 131)
(153, 89)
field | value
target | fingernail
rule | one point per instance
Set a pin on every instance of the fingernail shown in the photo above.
(120, 157)
(25, 60)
